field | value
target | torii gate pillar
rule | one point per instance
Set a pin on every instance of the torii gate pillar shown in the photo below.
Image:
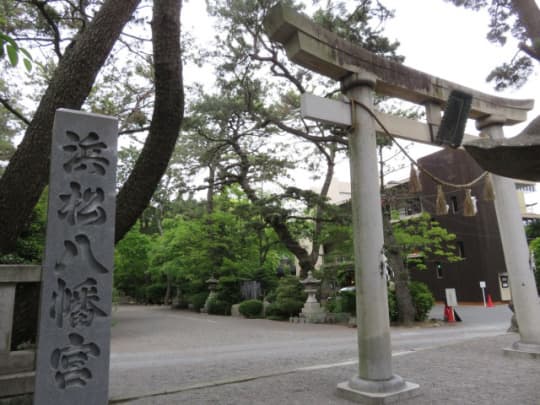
(375, 381)
(516, 256)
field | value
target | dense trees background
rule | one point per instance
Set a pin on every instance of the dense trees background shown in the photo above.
(222, 191)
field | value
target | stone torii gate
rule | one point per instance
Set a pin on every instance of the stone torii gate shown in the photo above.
(361, 74)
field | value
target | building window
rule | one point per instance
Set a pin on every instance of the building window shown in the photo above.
(460, 248)
(454, 204)
(438, 269)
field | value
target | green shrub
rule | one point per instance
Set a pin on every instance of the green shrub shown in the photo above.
(290, 307)
(154, 293)
(331, 304)
(535, 249)
(289, 299)
(346, 302)
(228, 289)
(219, 307)
(393, 310)
(251, 308)
(423, 299)
(274, 313)
(197, 300)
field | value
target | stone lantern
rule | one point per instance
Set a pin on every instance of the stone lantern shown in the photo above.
(212, 283)
(312, 311)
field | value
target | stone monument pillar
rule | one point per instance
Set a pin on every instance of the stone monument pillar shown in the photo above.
(72, 365)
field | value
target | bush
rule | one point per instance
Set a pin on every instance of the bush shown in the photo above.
(274, 313)
(393, 309)
(155, 293)
(228, 289)
(289, 299)
(423, 299)
(251, 308)
(197, 300)
(346, 302)
(218, 307)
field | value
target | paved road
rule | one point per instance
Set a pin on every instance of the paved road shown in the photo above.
(157, 350)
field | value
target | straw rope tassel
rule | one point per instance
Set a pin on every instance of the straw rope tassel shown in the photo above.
(489, 191)
(441, 208)
(468, 205)
(414, 182)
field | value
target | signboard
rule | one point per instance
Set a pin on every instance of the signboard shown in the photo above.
(451, 298)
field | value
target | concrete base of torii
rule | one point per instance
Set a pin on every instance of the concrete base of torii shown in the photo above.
(368, 392)
(523, 350)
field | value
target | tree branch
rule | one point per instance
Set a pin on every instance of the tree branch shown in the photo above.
(14, 111)
(56, 32)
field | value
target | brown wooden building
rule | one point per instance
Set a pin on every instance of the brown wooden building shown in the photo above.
(478, 240)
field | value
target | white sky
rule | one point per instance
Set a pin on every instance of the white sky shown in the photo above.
(437, 38)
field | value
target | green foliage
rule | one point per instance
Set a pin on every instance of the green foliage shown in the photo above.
(344, 302)
(358, 25)
(9, 48)
(505, 22)
(228, 290)
(154, 293)
(229, 244)
(289, 299)
(535, 249)
(533, 230)
(197, 300)
(251, 308)
(31, 242)
(427, 239)
(219, 307)
(131, 266)
(423, 299)
(393, 309)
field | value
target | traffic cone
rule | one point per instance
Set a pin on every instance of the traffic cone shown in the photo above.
(489, 301)
(449, 314)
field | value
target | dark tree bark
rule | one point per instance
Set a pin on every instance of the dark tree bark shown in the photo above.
(27, 173)
(406, 309)
(167, 117)
(407, 312)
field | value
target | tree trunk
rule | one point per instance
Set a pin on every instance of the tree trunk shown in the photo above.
(138, 189)
(304, 258)
(211, 190)
(406, 308)
(167, 300)
(317, 231)
(27, 173)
